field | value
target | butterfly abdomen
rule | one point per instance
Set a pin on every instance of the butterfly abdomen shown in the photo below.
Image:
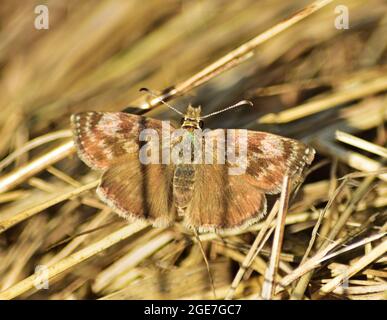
(183, 184)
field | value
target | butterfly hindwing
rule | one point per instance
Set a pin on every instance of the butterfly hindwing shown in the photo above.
(138, 191)
(222, 201)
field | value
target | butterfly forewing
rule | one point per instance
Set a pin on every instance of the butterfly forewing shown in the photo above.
(270, 157)
(103, 138)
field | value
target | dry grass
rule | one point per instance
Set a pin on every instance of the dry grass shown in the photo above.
(307, 80)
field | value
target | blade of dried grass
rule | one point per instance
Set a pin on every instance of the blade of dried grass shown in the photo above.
(33, 144)
(301, 286)
(364, 261)
(63, 176)
(272, 270)
(361, 143)
(354, 246)
(57, 198)
(234, 57)
(13, 195)
(357, 196)
(76, 258)
(78, 240)
(333, 194)
(291, 219)
(253, 252)
(361, 289)
(131, 260)
(190, 282)
(330, 101)
(353, 159)
(306, 267)
(12, 179)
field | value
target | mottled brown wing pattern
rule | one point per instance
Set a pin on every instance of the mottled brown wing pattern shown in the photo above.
(206, 194)
(222, 201)
(103, 138)
(138, 191)
(109, 141)
(270, 157)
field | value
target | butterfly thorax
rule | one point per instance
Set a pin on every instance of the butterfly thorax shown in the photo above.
(192, 120)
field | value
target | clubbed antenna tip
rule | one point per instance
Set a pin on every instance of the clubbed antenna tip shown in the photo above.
(240, 103)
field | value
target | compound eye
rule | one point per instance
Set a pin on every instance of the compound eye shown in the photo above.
(201, 124)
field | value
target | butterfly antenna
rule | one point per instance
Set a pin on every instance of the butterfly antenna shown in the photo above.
(240, 103)
(206, 261)
(153, 94)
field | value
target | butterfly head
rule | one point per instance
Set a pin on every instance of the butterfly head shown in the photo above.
(192, 119)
